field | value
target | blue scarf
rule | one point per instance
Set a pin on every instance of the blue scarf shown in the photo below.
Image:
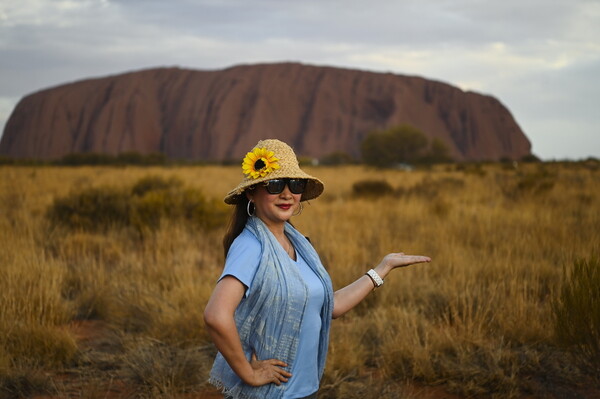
(268, 320)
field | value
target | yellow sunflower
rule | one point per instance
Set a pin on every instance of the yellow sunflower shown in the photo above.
(259, 163)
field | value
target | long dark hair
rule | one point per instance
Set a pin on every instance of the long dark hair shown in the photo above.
(238, 220)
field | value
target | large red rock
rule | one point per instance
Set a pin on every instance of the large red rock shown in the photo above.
(219, 115)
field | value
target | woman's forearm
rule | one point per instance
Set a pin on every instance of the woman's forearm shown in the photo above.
(227, 340)
(351, 295)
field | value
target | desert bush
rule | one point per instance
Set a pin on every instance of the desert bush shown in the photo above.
(96, 208)
(468, 168)
(142, 207)
(577, 309)
(535, 183)
(371, 188)
(160, 370)
(20, 383)
(155, 183)
(39, 345)
(430, 187)
(527, 184)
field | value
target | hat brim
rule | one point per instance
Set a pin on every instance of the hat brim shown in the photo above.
(285, 165)
(314, 187)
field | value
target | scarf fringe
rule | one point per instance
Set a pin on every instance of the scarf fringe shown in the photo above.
(234, 393)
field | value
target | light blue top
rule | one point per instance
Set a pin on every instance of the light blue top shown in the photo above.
(242, 262)
(269, 318)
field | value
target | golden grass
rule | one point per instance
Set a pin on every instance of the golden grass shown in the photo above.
(477, 320)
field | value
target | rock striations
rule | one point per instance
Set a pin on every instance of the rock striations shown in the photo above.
(219, 115)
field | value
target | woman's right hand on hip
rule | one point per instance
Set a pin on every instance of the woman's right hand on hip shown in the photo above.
(268, 371)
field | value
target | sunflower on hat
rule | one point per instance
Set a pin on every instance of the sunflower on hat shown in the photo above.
(272, 159)
(259, 163)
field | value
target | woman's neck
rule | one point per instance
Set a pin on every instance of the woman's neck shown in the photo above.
(276, 228)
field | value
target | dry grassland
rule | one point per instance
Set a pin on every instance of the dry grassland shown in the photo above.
(117, 312)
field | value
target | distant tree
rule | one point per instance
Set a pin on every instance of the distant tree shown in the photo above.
(7, 161)
(530, 158)
(438, 152)
(402, 144)
(89, 158)
(135, 158)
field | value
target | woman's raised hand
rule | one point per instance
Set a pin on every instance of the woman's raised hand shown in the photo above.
(400, 259)
(268, 371)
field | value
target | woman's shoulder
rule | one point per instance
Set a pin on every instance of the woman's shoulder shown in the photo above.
(246, 243)
(243, 258)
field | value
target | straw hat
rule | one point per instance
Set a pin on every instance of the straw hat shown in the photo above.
(272, 159)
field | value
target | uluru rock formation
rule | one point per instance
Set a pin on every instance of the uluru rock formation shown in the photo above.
(218, 115)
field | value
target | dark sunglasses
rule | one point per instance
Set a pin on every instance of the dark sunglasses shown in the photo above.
(276, 186)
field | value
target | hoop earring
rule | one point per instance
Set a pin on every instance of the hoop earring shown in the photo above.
(248, 209)
(300, 211)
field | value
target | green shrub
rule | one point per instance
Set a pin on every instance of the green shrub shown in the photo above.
(96, 208)
(371, 188)
(400, 144)
(155, 183)
(438, 152)
(577, 309)
(532, 184)
(150, 209)
(142, 207)
(475, 169)
(202, 212)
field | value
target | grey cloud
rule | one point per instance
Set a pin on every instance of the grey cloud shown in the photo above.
(375, 22)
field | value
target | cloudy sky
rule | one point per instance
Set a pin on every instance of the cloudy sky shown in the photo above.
(540, 58)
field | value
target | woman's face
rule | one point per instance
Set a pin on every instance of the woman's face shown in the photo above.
(273, 208)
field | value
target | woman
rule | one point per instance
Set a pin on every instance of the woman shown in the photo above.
(270, 312)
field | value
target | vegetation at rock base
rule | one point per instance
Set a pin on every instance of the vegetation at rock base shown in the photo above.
(403, 144)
